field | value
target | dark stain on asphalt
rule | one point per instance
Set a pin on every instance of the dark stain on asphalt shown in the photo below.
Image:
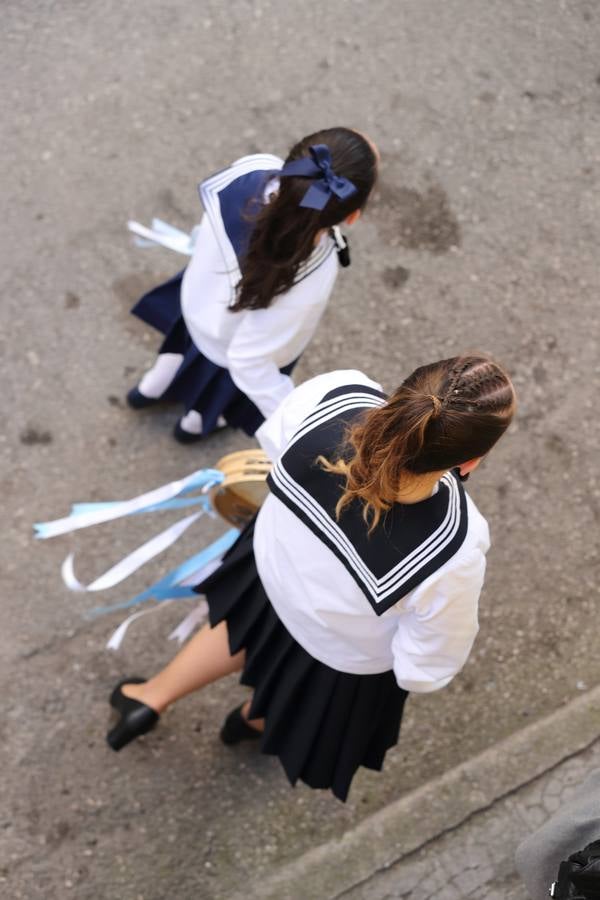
(556, 444)
(417, 220)
(115, 401)
(59, 831)
(33, 435)
(72, 301)
(395, 276)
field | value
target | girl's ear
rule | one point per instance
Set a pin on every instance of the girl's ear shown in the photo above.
(353, 217)
(468, 467)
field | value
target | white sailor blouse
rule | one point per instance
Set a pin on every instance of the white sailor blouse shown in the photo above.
(403, 598)
(253, 344)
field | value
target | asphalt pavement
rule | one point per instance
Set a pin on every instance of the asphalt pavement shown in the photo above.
(483, 234)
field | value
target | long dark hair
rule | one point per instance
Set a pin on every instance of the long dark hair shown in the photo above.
(442, 415)
(284, 232)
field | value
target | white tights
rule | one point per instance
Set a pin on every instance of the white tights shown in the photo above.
(157, 379)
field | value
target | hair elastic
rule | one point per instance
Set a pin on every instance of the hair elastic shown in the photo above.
(437, 405)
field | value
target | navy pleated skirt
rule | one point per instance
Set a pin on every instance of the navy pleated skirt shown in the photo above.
(322, 724)
(199, 383)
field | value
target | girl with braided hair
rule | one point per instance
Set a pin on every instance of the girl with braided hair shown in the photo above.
(262, 271)
(359, 579)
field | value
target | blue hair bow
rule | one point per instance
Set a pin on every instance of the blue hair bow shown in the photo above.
(318, 166)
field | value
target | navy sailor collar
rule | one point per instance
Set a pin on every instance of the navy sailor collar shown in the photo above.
(411, 542)
(227, 197)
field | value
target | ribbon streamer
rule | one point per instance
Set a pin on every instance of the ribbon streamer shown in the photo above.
(130, 563)
(116, 638)
(180, 634)
(164, 235)
(95, 514)
(178, 583)
(186, 626)
(194, 618)
(177, 503)
(175, 585)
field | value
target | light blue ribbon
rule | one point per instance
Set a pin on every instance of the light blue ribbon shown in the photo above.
(170, 587)
(176, 503)
(199, 479)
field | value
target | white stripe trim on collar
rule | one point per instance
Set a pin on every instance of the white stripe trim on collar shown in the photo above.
(382, 587)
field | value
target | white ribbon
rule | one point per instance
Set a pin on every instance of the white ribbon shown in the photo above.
(203, 572)
(130, 563)
(107, 512)
(194, 618)
(186, 626)
(165, 235)
(198, 615)
(180, 634)
(116, 638)
(178, 583)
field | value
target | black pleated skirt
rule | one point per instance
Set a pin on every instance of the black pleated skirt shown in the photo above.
(199, 383)
(322, 724)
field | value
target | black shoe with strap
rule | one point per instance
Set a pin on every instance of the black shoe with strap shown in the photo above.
(185, 437)
(136, 718)
(137, 400)
(236, 728)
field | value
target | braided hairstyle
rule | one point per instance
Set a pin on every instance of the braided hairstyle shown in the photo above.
(441, 416)
(283, 234)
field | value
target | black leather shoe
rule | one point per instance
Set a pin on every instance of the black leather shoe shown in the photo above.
(185, 437)
(136, 718)
(137, 400)
(118, 700)
(235, 728)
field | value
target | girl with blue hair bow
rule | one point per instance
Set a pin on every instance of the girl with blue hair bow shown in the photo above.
(261, 274)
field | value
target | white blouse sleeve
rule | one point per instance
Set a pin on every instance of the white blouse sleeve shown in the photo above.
(268, 339)
(252, 353)
(436, 633)
(276, 432)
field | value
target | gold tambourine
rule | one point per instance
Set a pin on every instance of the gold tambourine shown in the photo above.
(240, 495)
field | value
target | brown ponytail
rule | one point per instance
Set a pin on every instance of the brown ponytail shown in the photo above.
(443, 415)
(284, 233)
